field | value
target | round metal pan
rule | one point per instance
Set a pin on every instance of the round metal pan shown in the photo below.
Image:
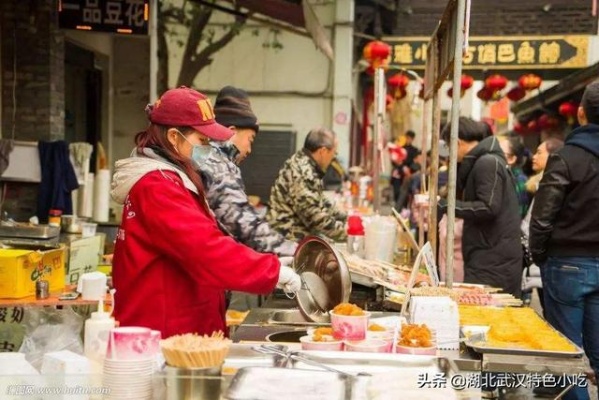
(326, 281)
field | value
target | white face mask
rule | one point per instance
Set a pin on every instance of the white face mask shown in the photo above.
(200, 152)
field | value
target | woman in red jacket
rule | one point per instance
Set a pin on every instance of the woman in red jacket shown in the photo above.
(172, 264)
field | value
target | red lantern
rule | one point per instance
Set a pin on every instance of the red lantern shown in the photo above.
(520, 128)
(516, 93)
(376, 53)
(546, 121)
(569, 109)
(530, 82)
(398, 83)
(389, 102)
(466, 83)
(485, 94)
(532, 126)
(496, 82)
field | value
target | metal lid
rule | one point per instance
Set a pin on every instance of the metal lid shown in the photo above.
(326, 281)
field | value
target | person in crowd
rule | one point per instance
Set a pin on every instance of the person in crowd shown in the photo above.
(514, 150)
(539, 160)
(489, 207)
(172, 263)
(531, 278)
(401, 172)
(298, 207)
(225, 190)
(564, 235)
(223, 183)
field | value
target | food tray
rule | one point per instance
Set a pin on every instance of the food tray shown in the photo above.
(263, 383)
(480, 347)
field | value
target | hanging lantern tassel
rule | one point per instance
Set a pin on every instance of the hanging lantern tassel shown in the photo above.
(569, 109)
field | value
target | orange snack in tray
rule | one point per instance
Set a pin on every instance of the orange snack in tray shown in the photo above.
(376, 328)
(348, 309)
(413, 335)
(323, 334)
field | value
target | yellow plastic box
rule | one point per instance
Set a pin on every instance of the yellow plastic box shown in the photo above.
(20, 269)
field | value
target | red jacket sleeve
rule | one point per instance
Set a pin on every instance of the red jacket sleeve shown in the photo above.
(182, 231)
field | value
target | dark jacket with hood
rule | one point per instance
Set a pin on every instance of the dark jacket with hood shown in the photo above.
(565, 212)
(489, 207)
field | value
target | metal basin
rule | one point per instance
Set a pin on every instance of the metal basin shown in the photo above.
(290, 317)
(31, 232)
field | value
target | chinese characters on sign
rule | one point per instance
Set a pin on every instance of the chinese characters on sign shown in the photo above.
(11, 330)
(501, 53)
(117, 16)
(501, 379)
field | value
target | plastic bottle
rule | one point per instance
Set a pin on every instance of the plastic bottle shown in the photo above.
(355, 236)
(97, 328)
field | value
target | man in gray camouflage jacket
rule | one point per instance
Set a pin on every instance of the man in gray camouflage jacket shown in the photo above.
(298, 207)
(223, 183)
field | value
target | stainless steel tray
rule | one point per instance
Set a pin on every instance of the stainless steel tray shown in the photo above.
(480, 347)
(262, 383)
(30, 232)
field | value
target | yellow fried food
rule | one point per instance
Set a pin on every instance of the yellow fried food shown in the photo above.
(376, 328)
(515, 327)
(413, 335)
(348, 309)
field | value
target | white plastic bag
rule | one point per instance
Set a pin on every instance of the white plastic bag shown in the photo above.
(49, 329)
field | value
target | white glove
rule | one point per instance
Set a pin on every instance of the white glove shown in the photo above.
(289, 281)
(286, 261)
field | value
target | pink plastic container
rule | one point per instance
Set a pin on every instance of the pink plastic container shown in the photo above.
(129, 343)
(349, 327)
(309, 344)
(368, 346)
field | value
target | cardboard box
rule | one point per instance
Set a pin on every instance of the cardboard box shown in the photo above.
(84, 256)
(20, 269)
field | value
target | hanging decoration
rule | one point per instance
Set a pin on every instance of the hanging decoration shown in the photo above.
(520, 128)
(485, 94)
(569, 109)
(547, 121)
(398, 84)
(516, 93)
(496, 82)
(377, 54)
(466, 83)
(530, 82)
(533, 126)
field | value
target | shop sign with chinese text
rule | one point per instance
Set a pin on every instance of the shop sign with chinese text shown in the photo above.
(531, 52)
(116, 16)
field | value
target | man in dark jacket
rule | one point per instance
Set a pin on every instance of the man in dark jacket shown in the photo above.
(489, 207)
(564, 235)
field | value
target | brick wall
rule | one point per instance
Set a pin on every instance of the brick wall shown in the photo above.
(32, 45)
(508, 17)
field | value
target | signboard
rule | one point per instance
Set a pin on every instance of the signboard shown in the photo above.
(482, 52)
(116, 16)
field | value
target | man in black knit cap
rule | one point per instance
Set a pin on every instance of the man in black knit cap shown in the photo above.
(224, 186)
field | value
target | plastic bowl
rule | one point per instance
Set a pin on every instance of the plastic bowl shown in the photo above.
(421, 351)
(350, 327)
(368, 346)
(309, 344)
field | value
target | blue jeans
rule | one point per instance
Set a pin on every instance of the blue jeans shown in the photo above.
(571, 292)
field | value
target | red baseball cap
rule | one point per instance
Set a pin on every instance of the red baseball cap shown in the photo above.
(187, 107)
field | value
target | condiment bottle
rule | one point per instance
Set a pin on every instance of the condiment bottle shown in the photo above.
(42, 289)
(54, 217)
(97, 329)
(355, 236)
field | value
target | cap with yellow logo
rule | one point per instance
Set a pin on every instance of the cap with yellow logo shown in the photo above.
(187, 107)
